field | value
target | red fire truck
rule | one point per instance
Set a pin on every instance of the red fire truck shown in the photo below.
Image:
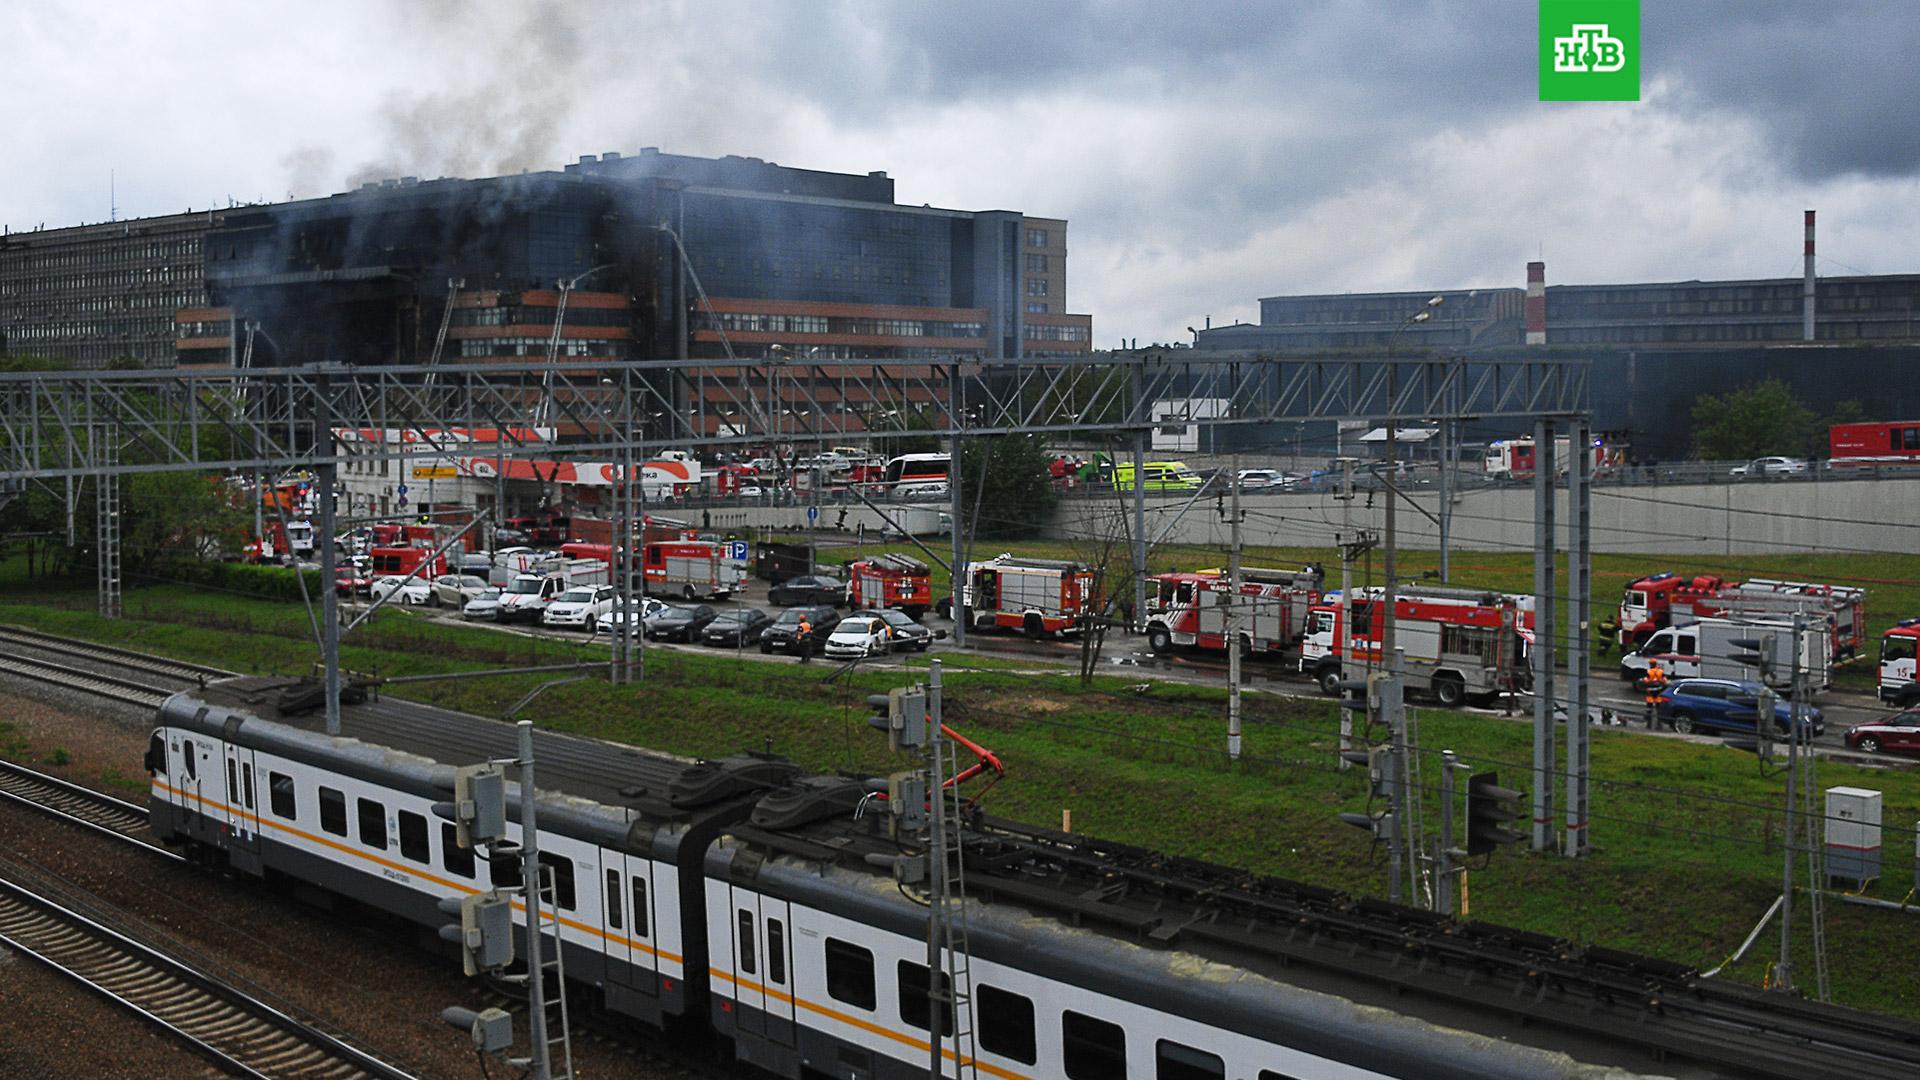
(1891, 443)
(1667, 599)
(1040, 596)
(1191, 609)
(1514, 458)
(1457, 642)
(890, 581)
(1899, 648)
(714, 569)
(405, 560)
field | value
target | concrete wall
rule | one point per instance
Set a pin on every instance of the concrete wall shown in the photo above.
(1721, 519)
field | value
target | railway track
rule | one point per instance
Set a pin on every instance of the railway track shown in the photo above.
(126, 660)
(237, 1030)
(89, 809)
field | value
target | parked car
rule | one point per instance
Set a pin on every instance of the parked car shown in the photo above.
(1691, 705)
(348, 581)
(680, 623)
(859, 636)
(1768, 467)
(612, 619)
(737, 628)
(780, 634)
(454, 590)
(1266, 480)
(410, 590)
(579, 607)
(907, 634)
(1895, 734)
(484, 606)
(808, 589)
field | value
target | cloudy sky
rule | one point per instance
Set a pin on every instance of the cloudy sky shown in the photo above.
(1205, 153)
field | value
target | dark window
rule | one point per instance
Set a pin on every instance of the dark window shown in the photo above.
(413, 838)
(454, 858)
(186, 753)
(1175, 1062)
(157, 755)
(1269, 1074)
(333, 811)
(246, 784)
(1006, 1023)
(1091, 1049)
(613, 900)
(849, 973)
(505, 870)
(776, 952)
(373, 822)
(233, 785)
(562, 870)
(912, 982)
(639, 906)
(280, 795)
(746, 942)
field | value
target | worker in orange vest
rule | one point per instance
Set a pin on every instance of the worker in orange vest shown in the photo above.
(1654, 682)
(803, 638)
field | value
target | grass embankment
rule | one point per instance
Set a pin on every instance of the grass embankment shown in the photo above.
(1892, 581)
(1688, 835)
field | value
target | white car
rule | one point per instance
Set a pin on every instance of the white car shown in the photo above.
(860, 636)
(454, 590)
(610, 620)
(1767, 467)
(581, 606)
(409, 591)
(484, 606)
(1265, 480)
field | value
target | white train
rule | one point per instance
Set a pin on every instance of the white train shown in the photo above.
(737, 900)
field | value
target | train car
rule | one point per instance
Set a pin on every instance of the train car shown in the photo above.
(742, 902)
(1892, 443)
(245, 784)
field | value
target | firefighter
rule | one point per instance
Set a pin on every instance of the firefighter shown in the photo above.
(1654, 682)
(803, 638)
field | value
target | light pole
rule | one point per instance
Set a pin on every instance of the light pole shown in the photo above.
(1425, 312)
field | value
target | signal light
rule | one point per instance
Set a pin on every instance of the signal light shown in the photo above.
(1490, 808)
(902, 715)
(484, 932)
(491, 1029)
(479, 807)
(1376, 826)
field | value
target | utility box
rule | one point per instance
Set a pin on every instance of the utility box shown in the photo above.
(1853, 834)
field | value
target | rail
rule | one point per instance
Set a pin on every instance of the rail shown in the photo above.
(128, 659)
(111, 687)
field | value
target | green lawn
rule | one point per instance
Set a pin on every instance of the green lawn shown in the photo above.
(1687, 835)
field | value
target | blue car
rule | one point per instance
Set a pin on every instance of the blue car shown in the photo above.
(1691, 705)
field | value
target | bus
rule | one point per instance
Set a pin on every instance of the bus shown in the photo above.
(918, 476)
(1160, 476)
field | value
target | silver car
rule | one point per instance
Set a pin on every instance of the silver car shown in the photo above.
(484, 605)
(454, 590)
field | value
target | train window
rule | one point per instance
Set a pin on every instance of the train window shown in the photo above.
(246, 784)
(1091, 1049)
(373, 822)
(1269, 1074)
(280, 798)
(454, 858)
(157, 755)
(776, 952)
(1912, 439)
(233, 783)
(413, 838)
(186, 755)
(614, 899)
(504, 869)
(561, 868)
(1175, 1062)
(1006, 1023)
(912, 984)
(850, 973)
(333, 811)
(639, 906)
(745, 939)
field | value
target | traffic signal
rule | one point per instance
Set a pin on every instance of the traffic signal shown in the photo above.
(484, 933)
(479, 807)
(491, 1029)
(902, 715)
(1490, 808)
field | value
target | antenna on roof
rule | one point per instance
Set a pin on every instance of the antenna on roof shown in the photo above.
(113, 199)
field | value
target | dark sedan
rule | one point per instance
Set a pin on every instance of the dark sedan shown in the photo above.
(680, 623)
(780, 633)
(907, 634)
(808, 589)
(1896, 734)
(737, 628)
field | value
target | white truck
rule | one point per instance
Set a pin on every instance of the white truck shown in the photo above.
(1706, 649)
(526, 597)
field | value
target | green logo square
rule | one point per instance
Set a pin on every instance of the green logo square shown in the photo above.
(1589, 50)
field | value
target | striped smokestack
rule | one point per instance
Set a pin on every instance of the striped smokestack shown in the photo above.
(1536, 303)
(1806, 287)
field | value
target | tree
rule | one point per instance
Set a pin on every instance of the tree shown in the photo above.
(1006, 477)
(1753, 421)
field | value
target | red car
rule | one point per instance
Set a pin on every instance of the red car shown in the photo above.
(1896, 734)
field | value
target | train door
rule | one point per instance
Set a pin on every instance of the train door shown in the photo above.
(184, 782)
(243, 812)
(776, 965)
(750, 997)
(631, 960)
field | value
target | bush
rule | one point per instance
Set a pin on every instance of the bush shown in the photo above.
(266, 582)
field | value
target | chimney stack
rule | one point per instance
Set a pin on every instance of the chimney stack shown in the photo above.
(1536, 303)
(1806, 287)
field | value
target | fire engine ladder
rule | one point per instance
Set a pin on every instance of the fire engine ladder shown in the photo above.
(106, 508)
(454, 285)
(950, 915)
(554, 1000)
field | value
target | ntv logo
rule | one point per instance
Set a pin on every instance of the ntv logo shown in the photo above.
(1589, 49)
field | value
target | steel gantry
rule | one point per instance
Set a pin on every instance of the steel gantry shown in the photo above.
(59, 425)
